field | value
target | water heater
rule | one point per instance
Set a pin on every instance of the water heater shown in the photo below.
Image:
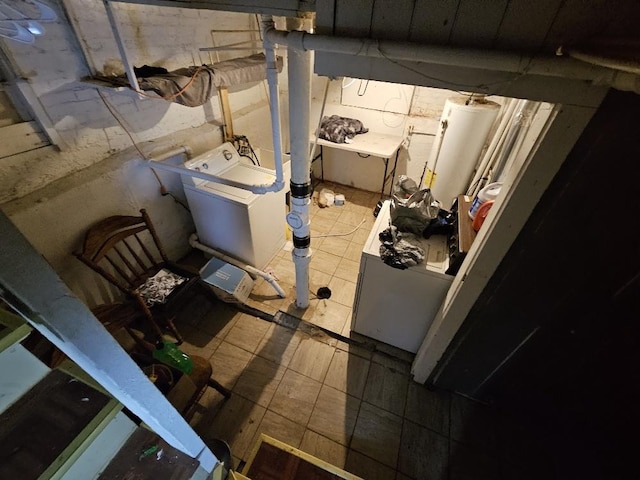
(462, 132)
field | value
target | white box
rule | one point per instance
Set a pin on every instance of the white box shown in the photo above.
(229, 283)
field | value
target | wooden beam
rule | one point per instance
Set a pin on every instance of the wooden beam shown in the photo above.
(223, 94)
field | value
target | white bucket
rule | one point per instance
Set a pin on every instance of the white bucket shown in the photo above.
(490, 192)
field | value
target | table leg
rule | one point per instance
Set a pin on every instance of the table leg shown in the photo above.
(384, 177)
(319, 156)
(393, 172)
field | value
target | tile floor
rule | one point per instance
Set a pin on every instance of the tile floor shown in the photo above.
(335, 262)
(354, 406)
(343, 398)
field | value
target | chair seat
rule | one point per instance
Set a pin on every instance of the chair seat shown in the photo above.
(127, 252)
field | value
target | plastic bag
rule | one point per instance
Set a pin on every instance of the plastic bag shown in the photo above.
(411, 209)
(404, 188)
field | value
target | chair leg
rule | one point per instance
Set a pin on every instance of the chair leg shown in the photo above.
(172, 328)
(223, 390)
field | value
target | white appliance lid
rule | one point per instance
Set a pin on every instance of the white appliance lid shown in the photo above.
(243, 173)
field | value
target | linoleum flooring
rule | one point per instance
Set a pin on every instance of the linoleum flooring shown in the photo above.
(302, 377)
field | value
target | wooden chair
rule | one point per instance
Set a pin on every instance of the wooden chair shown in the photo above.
(127, 252)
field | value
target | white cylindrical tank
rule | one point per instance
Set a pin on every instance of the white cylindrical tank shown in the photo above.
(461, 135)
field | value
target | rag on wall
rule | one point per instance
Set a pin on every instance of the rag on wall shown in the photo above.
(339, 129)
(397, 250)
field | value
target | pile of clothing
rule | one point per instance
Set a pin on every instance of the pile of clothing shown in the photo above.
(338, 129)
(397, 249)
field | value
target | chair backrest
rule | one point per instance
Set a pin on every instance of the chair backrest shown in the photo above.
(125, 250)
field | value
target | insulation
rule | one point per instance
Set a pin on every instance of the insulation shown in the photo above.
(194, 86)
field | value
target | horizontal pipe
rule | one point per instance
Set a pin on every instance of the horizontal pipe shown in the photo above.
(223, 47)
(254, 272)
(625, 65)
(216, 49)
(182, 150)
(546, 65)
(276, 186)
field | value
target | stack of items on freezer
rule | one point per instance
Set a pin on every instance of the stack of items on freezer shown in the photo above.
(398, 249)
(417, 211)
(414, 214)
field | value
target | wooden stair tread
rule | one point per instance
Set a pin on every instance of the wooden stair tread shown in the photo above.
(38, 428)
(146, 455)
(271, 459)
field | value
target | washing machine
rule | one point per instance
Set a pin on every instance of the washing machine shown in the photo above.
(237, 222)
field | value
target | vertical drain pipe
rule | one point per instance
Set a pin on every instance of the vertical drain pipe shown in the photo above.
(266, 24)
(299, 71)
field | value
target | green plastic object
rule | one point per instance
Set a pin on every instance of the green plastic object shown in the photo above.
(170, 354)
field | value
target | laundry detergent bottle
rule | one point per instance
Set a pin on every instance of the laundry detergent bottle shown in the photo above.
(490, 192)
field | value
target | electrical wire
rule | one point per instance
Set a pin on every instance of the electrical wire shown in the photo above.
(163, 189)
(340, 234)
(348, 84)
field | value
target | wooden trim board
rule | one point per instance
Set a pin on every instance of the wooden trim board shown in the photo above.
(301, 461)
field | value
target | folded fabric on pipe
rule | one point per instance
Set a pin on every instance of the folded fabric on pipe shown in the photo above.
(198, 82)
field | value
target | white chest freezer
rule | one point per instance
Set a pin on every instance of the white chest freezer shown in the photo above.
(237, 222)
(397, 306)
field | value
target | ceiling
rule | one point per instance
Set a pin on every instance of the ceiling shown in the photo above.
(591, 33)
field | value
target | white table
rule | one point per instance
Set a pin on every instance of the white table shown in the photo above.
(374, 144)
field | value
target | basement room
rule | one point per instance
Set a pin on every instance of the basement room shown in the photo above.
(317, 239)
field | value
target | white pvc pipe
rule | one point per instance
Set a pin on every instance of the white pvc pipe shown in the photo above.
(503, 61)
(254, 272)
(257, 189)
(626, 65)
(519, 120)
(494, 146)
(299, 72)
(266, 23)
(181, 150)
(128, 66)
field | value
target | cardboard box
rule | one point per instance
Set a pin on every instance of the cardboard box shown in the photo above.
(230, 283)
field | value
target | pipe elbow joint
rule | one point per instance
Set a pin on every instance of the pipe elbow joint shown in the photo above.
(296, 39)
(271, 187)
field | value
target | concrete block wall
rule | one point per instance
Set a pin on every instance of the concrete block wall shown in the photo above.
(419, 126)
(80, 43)
(53, 198)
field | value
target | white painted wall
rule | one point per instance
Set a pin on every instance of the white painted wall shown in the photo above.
(103, 173)
(55, 64)
(53, 197)
(366, 173)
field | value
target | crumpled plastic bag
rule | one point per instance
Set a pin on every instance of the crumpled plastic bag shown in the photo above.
(412, 209)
